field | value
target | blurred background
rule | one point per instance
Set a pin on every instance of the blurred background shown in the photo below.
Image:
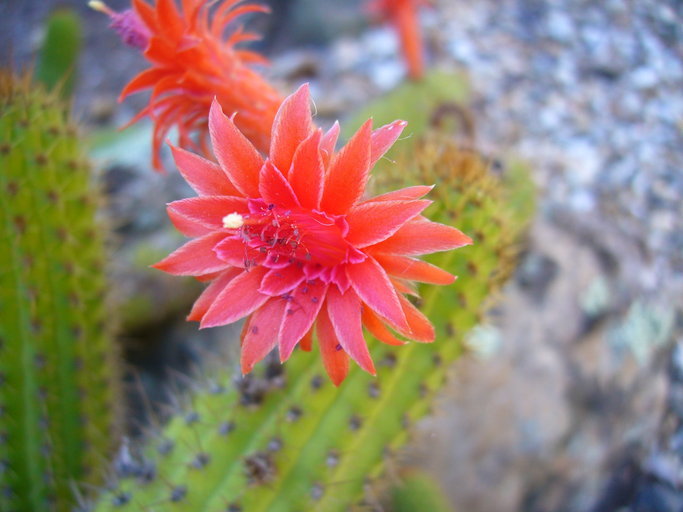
(573, 397)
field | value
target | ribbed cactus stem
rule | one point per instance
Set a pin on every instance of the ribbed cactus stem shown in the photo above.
(300, 443)
(56, 354)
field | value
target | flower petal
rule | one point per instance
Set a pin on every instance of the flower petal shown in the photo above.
(374, 221)
(202, 304)
(421, 329)
(383, 138)
(204, 176)
(236, 155)
(194, 258)
(292, 126)
(281, 280)
(234, 252)
(304, 305)
(146, 13)
(237, 300)
(373, 286)
(142, 81)
(307, 174)
(404, 194)
(345, 311)
(374, 324)
(207, 211)
(306, 343)
(335, 360)
(261, 334)
(169, 17)
(328, 143)
(186, 226)
(413, 270)
(421, 236)
(274, 187)
(348, 174)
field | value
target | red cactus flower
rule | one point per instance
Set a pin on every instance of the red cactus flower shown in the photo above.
(403, 15)
(289, 242)
(191, 63)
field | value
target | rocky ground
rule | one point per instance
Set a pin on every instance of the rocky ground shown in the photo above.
(575, 399)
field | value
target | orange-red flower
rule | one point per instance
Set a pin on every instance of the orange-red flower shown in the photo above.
(403, 15)
(191, 62)
(290, 243)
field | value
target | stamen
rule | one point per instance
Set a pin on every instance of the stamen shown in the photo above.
(233, 221)
(101, 7)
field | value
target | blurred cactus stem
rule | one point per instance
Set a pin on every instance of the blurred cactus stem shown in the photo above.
(288, 440)
(57, 366)
(418, 491)
(58, 58)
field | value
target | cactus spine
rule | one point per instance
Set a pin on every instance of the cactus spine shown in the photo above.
(57, 396)
(306, 445)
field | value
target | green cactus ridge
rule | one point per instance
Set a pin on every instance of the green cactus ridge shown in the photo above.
(56, 417)
(294, 442)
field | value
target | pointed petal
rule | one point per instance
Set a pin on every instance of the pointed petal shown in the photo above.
(144, 80)
(373, 286)
(306, 343)
(169, 18)
(404, 194)
(421, 236)
(208, 277)
(403, 286)
(281, 280)
(261, 335)
(348, 174)
(207, 211)
(307, 174)
(146, 13)
(235, 253)
(292, 126)
(421, 329)
(328, 143)
(335, 360)
(194, 258)
(344, 311)
(202, 304)
(413, 270)
(383, 138)
(372, 222)
(274, 187)
(237, 300)
(374, 324)
(204, 176)
(304, 306)
(188, 227)
(237, 157)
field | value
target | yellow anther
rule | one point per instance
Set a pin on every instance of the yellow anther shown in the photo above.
(101, 7)
(233, 221)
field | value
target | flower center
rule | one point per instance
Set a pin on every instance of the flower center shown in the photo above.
(288, 236)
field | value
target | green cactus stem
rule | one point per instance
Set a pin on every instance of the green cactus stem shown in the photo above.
(56, 67)
(288, 440)
(418, 491)
(57, 400)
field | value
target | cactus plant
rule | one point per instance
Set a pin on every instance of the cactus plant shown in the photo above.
(56, 66)
(292, 441)
(57, 397)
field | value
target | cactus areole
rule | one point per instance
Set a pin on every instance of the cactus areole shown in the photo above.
(290, 242)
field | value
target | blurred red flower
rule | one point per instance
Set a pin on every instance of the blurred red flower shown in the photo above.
(403, 15)
(191, 62)
(289, 242)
